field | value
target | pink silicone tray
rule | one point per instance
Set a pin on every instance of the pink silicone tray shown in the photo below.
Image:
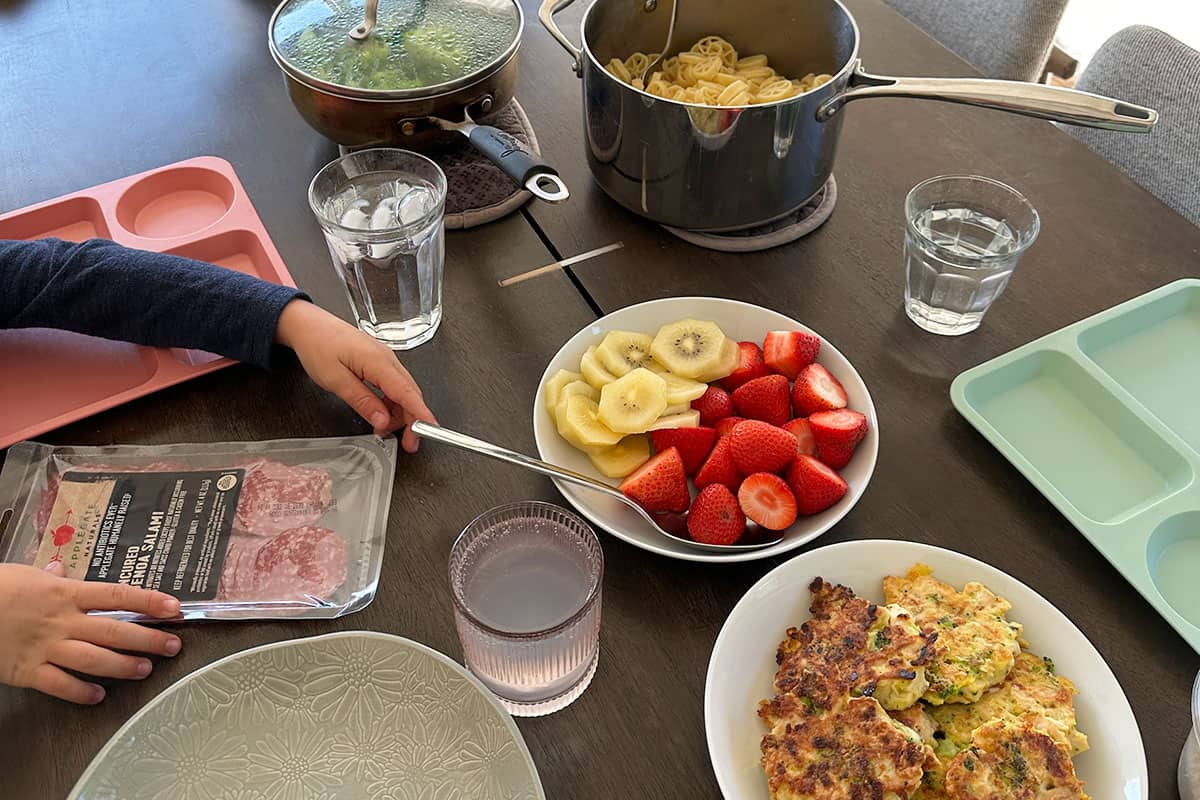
(195, 208)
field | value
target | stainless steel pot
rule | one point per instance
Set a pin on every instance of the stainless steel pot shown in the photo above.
(426, 118)
(717, 169)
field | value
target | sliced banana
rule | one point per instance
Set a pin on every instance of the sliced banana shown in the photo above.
(632, 403)
(682, 390)
(689, 348)
(593, 371)
(622, 352)
(725, 364)
(687, 419)
(581, 388)
(553, 389)
(579, 423)
(623, 458)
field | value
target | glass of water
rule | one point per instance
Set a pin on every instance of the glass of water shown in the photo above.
(964, 236)
(526, 583)
(382, 214)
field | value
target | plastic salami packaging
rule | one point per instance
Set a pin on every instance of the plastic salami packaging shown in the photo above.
(283, 529)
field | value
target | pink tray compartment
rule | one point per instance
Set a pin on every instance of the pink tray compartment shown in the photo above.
(195, 208)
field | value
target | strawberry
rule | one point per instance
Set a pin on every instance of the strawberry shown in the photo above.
(817, 390)
(764, 398)
(815, 485)
(714, 517)
(788, 352)
(766, 499)
(660, 484)
(750, 366)
(759, 447)
(714, 405)
(719, 468)
(726, 426)
(693, 444)
(805, 445)
(836, 434)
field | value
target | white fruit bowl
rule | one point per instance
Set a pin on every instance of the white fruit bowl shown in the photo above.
(741, 322)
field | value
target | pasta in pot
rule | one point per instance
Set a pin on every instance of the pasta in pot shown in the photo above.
(712, 74)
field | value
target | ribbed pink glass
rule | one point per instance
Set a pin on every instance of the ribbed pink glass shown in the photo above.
(526, 580)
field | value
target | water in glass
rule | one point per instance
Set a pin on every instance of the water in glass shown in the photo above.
(959, 261)
(526, 581)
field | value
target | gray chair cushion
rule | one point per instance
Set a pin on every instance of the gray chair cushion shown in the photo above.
(1143, 65)
(1001, 38)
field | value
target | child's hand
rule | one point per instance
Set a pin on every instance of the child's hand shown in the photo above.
(45, 629)
(340, 357)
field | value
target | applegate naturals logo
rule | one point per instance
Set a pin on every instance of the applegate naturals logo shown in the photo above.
(226, 482)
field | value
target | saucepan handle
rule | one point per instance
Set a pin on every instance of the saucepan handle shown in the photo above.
(546, 14)
(538, 177)
(1028, 99)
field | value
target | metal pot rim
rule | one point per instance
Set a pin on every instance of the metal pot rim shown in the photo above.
(395, 95)
(847, 69)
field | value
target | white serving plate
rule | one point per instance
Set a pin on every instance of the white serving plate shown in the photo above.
(355, 714)
(743, 666)
(742, 322)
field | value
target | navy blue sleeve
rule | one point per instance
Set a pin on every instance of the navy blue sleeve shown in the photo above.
(103, 289)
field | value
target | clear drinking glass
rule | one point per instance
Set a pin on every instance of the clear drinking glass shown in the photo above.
(964, 236)
(382, 214)
(1189, 759)
(526, 584)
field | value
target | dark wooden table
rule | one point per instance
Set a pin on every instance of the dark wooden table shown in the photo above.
(90, 95)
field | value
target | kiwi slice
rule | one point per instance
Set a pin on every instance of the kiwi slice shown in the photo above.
(581, 388)
(553, 389)
(623, 458)
(622, 352)
(686, 419)
(726, 363)
(682, 390)
(632, 403)
(579, 423)
(593, 371)
(690, 348)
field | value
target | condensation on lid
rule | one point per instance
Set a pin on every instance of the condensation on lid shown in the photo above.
(415, 43)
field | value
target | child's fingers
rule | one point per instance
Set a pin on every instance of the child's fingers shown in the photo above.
(359, 396)
(92, 660)
(118, 635)
(51, 680)
(97, 596)
(397, 384)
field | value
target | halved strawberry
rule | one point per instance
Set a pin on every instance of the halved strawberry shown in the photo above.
(719, 468)
(766, 499)
(726, 426)
(714, 405)
(817, 390)
(694, 445)
(750, 366)
(765, 399)
(816, 486)
(805, 444)
(715, 517)
(759, 447)
(788, 352)
(836, 434)
(660, 484)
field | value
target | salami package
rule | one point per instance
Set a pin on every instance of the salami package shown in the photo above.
(238, 530)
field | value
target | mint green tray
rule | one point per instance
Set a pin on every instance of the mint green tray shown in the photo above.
(1103, 417)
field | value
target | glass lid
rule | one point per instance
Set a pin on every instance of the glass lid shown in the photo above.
(416, 44)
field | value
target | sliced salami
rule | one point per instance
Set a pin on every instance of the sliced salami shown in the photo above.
(300, 564)
(277, 497)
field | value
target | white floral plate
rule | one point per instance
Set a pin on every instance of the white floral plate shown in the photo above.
(358, 715)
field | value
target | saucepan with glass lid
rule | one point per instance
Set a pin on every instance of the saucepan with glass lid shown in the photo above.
(414, 74)
(663, 151)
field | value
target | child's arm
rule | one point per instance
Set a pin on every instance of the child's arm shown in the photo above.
(103, 289)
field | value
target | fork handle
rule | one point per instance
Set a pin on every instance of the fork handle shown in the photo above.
(447, 436)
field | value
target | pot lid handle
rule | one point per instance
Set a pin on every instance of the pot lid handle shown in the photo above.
(1028, 99)
(370, 14)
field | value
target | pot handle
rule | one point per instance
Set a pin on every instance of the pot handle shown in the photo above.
(1028, 99)
(526, 169)
(546, 14)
